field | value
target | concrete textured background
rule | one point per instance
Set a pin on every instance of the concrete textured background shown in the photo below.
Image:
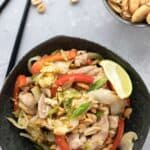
(89, 19)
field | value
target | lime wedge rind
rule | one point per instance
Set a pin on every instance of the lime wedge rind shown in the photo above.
(118, 77)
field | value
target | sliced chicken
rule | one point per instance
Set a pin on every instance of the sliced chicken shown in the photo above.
(30, 111)
(83, 70)
(81, 58)
(75, 141)
(27, 102)
(91, 130)
(96, 141)
(91, 70)
(43, 108)
(98, 72)
(113, 122)
(27, 99)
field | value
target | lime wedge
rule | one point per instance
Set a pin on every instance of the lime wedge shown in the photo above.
(118, 77)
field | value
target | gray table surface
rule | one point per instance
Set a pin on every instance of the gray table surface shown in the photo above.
(89, 19)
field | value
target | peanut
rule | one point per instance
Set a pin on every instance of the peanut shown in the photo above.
(126, 15)
(41, 8)
(74, 1)
(92, 116)
(115, 7)
(140, 14)
(125, 5)
(148, 18)
(125, 10)
(133, 5)
(36, 2)
(83, 86)
(116, 1)
(142, 2)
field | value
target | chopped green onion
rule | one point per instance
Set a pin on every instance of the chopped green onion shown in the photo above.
(67, 103)
(52, 111)
(71, 93)
(36, 92)
(98, 84)
(99, 114)
(80, 110)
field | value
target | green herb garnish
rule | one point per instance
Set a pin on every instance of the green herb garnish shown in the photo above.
(99, 114)
(98, 84)
(80, 110)
(67, 103)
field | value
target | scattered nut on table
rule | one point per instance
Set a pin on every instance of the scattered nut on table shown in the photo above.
(36, 2)
(74, 1)
(41, 8)
(135, 11)
(40, 5)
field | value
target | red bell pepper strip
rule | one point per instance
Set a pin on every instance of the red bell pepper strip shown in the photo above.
(20, 82)
(71, 78)
(75, 78)
(121, 126)
(37, 66)
(62, 142)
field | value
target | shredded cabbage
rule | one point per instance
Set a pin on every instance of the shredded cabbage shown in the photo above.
(44, 79)
(23, 119)
(68, 94)
(22, 122)
(57, 67)
(36, 92)
(13, 121)
(26, 136)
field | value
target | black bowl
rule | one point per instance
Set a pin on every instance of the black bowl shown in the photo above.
(140, 119)
(116, 16)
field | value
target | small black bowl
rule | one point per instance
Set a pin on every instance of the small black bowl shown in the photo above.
(140, 119)
(116, 16)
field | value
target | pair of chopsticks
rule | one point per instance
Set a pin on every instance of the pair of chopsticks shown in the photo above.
(17, 43)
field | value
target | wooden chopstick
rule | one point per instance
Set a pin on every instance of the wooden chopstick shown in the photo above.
(17, 43)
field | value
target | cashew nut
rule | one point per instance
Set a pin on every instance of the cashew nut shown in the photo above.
(41, 8)
(125, 5)
(127, 140)
(115, 7)
(36, 2)
(116, 1)
(133, 5)
(148, 18)
(140, 14)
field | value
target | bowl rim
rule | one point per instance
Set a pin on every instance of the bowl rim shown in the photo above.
(120, 19)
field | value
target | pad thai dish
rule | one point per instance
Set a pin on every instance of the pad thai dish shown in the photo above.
(74, 100)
